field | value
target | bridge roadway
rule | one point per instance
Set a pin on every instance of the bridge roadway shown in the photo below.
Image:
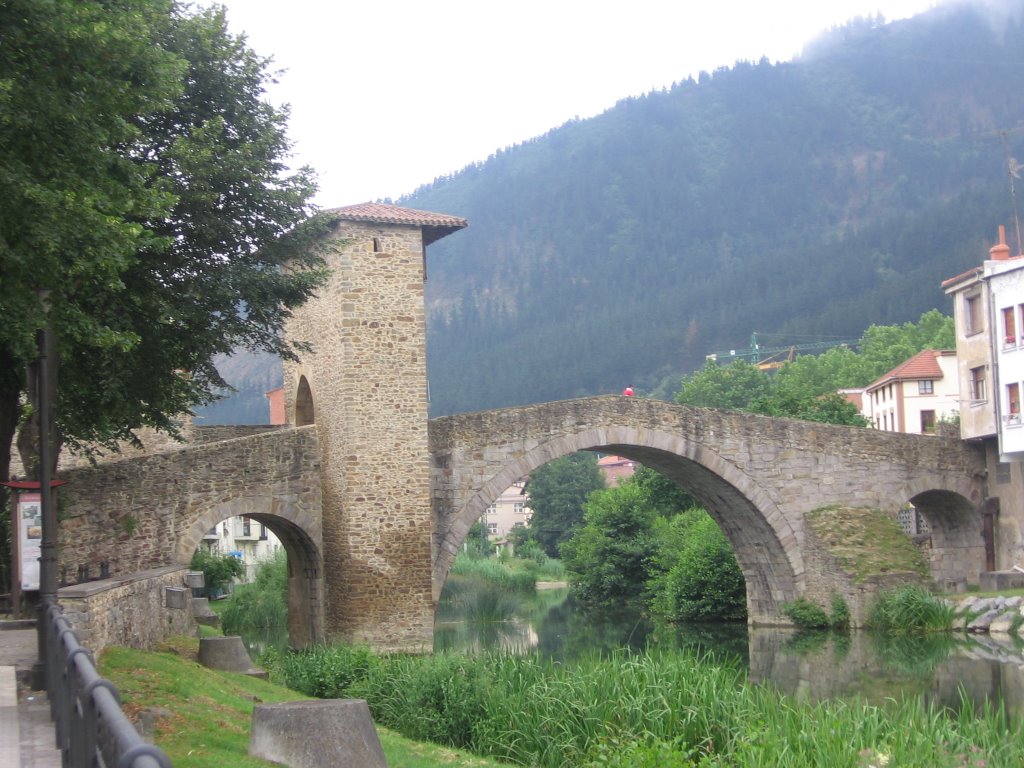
(757, 476)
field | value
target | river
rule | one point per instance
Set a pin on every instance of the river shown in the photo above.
(811, 666)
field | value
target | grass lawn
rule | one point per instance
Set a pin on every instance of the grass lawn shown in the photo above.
(210, 712)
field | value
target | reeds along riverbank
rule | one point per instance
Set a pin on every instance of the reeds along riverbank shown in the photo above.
(649, 710)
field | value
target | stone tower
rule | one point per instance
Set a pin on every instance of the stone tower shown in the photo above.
(364, 385)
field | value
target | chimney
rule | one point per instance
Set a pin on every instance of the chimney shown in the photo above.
(1000, 252)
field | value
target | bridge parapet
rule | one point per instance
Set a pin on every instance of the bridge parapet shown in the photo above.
(153, 510)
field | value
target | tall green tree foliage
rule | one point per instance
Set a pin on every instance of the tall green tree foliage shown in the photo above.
(807, 387)
(144, 184)
(695, 575)
(558, 493)
(644, 542)
(609, 557)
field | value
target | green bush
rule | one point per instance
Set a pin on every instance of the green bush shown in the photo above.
(218, 570)
(705, 582)
(840, 618)
(805, 614)
(908, 610)
(808, 615)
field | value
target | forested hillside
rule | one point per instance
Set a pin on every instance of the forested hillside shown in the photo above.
(804, 199)
(801, 200)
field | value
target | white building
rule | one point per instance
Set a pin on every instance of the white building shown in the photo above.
(248, 540)
(915, 395)
(989, 311)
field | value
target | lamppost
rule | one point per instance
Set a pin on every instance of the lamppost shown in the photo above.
(48, 546)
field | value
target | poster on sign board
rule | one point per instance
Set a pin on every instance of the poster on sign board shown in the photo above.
(30, 517)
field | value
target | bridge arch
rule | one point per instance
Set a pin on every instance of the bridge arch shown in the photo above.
(296, 529)
(956, 531)
(766, 546)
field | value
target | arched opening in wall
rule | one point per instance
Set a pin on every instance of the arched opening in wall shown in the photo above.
(263, 581)
(304, 404)
(661, 528)
(951, 533)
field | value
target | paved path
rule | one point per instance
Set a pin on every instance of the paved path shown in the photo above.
(26, 732)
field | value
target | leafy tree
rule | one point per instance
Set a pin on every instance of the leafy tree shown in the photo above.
(886, 346)
(558, 493)
(807, 387)
(665, 496)
(700, 578)
(145, 187)
(608, 558)
(830, 408)
(734, 386)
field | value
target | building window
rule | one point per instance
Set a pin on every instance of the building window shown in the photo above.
(491, 510)
(518, 508)
(1010, 325)
(926, 387)
(973, 320)
(927, 422)
(978, 383)
(246, 526)
(492, 529)
(1013, 403)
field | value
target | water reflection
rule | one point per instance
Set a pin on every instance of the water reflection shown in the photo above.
(943, 670)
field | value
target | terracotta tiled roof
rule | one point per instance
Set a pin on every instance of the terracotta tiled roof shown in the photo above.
(923, 365)
(972, 272)
(435, 225)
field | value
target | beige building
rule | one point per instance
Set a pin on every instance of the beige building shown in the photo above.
(915, 395)
(510, 510)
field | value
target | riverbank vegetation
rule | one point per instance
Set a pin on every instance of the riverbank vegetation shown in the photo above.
(202, 716)
(642, 710)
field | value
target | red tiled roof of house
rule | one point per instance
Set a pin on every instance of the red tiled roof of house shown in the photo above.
(393, 214)
(923, 365)
(972, 272)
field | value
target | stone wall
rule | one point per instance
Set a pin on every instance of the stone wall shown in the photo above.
(129, 611)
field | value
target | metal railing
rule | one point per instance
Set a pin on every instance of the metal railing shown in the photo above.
(86, 709)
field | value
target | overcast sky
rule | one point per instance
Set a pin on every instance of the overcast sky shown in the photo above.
(387, 95)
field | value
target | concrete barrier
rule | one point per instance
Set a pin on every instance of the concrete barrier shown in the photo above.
(312, 734)
(229, 654)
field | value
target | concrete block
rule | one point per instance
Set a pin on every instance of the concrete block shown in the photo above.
(228, 654)
(175, 597)
(195, 579)
(203, 613)
(311, 734)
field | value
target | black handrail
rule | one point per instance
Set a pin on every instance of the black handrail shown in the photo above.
(86, 709)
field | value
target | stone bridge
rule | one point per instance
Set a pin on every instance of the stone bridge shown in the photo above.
(757, 476)
(371, 499)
